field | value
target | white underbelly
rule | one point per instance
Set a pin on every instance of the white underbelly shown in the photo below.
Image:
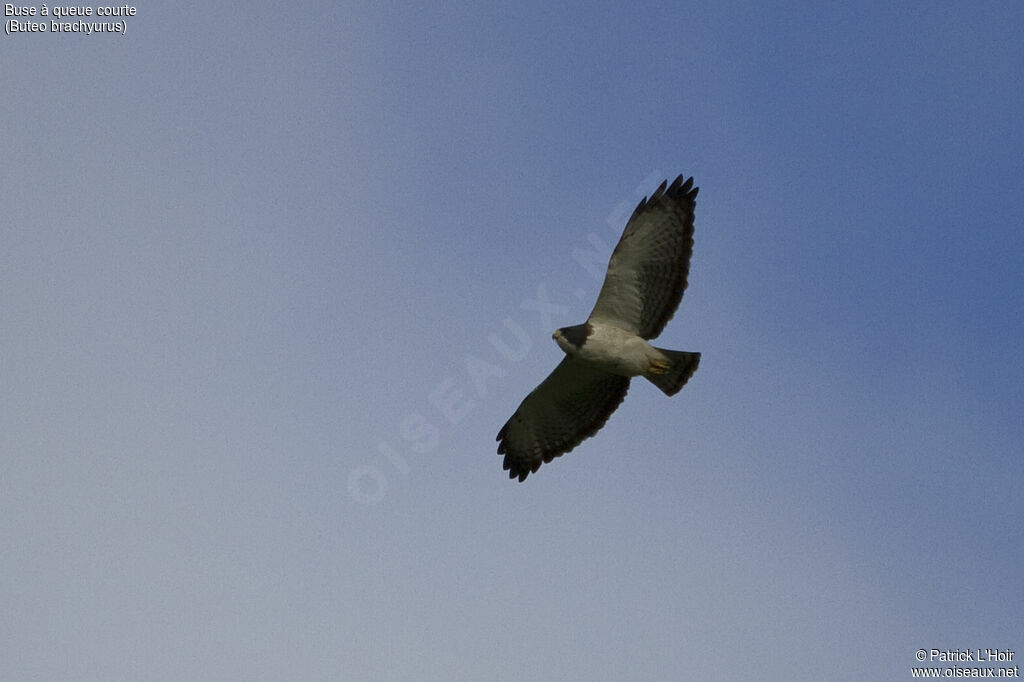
(617, 351)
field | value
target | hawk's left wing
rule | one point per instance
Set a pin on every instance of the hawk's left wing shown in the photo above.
(572, 404)
(648, 269)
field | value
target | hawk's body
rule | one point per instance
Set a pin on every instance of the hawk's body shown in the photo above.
(645, 281)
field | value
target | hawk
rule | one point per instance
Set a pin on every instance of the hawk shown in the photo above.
(643, 286)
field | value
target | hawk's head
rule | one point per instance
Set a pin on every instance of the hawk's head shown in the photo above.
(571, 339)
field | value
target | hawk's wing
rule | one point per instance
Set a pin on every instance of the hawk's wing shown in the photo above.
(648, 269)
(573, 403)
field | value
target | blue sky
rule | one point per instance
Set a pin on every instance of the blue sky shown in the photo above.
(254, 264)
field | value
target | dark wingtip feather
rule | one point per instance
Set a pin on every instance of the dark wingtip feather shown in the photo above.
(513, 471)
(661, 190)
(677, 190)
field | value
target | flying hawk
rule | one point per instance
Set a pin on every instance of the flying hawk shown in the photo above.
(641, 291)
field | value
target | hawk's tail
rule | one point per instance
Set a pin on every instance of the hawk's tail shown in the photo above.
(681, 366)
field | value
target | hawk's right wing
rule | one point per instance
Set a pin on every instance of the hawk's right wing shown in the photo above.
(647, 273)
(572, 404)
